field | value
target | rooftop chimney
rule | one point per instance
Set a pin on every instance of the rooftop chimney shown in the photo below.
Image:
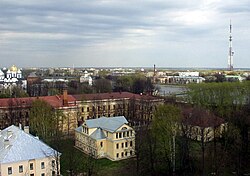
(6, 143)
(9, 134)
(65, 97)
(26, 129)
(20, 126)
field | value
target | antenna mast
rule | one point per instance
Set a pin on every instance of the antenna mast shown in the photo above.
(231, 53)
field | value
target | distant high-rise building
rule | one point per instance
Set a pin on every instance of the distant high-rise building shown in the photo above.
(231, 53)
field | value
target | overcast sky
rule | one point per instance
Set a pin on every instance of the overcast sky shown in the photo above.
(116, 33)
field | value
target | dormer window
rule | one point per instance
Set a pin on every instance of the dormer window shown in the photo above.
(124, 128)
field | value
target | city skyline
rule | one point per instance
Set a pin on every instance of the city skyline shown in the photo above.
(108, 33)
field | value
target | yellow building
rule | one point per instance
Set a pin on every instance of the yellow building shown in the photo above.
(202, 125)
(23, 154)
(133, 106)
(78, 108)
(104, 137)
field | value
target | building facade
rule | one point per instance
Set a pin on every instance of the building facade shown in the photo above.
(86, 78)
(110, 138)
(23, 154)
(202, 125)
(133, 106)
(78, 108)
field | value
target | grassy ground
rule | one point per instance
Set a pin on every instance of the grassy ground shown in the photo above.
(78, 162)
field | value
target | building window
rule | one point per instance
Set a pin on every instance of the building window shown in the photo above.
(87, 109)
(126, 144)
(32, 174)
(122, 154)
(124, 134)
(53, 163)
(42, 165)
(122, 145)
(131, 153)
(117, 146)
(53, 173)
(101, 144)
(82, 109)
(43, 174)
(108, 107)
(116, 135)
(120, 135)
(21, 169)
(113, 106)
(9, 170)
(126, 153)
(131, 143)
(117, 155)
(31, 166)
(127, 133)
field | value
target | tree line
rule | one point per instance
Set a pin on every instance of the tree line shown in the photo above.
(165, 147)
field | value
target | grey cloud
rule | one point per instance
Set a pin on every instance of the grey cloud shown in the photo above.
(62, 26)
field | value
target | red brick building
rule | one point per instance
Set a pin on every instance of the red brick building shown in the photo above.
(78, 108)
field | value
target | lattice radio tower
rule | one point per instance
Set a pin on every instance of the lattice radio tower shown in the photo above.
(231, 53)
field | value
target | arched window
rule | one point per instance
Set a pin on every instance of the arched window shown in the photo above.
(124, 128)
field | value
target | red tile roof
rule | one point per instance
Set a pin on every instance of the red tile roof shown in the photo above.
(200, 117)
(54, 101)
(112, 95)
(57, 100)
(8, 102)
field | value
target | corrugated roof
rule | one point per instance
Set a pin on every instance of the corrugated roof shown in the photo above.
(22, 146)
(110, 124)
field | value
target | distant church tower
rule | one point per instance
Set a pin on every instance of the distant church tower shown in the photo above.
(231, 53)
